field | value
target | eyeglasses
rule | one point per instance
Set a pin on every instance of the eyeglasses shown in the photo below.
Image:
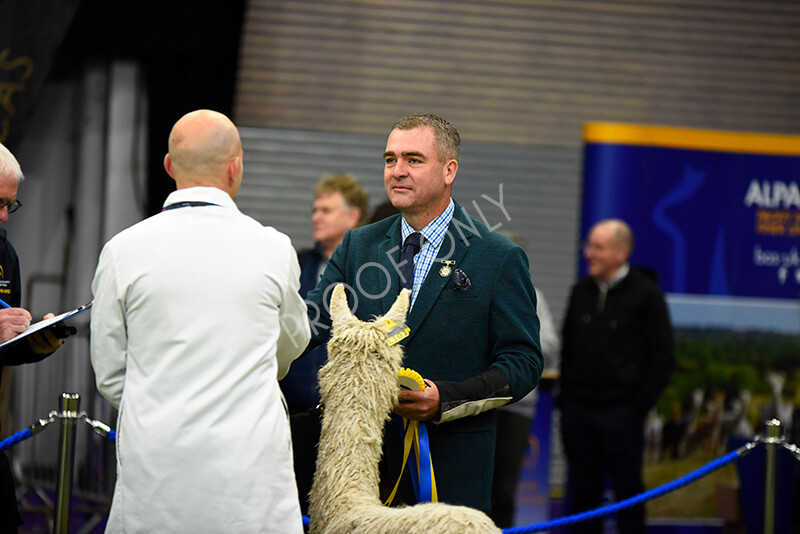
(12, 206)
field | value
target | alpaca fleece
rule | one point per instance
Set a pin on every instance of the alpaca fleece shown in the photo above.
(358, 387)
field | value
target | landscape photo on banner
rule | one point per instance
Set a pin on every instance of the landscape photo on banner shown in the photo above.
(716, 219)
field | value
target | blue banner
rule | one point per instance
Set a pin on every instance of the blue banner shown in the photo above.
(714, 213)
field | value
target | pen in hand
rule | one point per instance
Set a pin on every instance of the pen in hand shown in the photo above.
(60, 330)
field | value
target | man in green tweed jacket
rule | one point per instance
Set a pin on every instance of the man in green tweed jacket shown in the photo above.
(474, 330)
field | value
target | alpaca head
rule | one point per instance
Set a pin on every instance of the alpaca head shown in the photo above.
(341, 315)
(359, 351)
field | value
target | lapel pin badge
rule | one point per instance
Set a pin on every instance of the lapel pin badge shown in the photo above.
(446, 269)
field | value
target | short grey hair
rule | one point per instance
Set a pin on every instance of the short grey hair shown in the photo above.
(9, 166)
(448, 142)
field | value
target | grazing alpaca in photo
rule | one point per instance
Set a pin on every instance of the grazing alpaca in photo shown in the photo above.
(358, 386)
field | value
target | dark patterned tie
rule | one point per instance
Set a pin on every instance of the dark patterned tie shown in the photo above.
(411, 246)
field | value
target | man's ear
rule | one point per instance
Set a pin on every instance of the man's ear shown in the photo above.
(234, 166)
(623, 253)
(450, 170)
(168, 166)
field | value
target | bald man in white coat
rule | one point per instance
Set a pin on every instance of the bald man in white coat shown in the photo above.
(196, 316)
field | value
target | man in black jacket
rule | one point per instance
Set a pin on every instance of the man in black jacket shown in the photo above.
(13, 321)
(617, 357)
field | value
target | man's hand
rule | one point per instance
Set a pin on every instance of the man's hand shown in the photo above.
(45, 341)
(13, 321)
(418, 405)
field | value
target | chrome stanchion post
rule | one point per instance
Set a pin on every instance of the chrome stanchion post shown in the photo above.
(68, 405)
(770, 479)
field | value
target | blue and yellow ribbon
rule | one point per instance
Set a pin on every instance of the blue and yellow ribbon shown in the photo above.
(415, 435)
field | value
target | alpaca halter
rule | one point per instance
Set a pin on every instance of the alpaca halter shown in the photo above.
(415, 433)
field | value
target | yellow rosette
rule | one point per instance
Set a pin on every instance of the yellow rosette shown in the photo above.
(416, 435)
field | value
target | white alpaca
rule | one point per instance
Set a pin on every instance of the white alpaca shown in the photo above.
(358, 387)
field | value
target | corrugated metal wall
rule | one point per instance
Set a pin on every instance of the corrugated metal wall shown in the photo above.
(325, 80)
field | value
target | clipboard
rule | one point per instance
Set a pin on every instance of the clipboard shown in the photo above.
(32, 329)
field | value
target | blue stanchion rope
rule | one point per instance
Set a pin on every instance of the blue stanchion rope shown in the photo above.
(633, 501)
(12, 440)
(627, 503)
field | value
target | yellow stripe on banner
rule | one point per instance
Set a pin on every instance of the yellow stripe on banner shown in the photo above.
(692, 139)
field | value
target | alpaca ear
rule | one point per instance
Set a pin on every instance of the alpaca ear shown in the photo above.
(399, 309)
(339, 308)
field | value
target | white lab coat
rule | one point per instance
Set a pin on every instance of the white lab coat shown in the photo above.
(196, 316)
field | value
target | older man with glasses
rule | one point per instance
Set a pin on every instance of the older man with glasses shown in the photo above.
(13, 321)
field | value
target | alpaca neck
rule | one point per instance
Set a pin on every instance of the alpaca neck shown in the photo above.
(350, 444)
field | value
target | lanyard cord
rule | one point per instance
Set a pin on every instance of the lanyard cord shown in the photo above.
(188, 204)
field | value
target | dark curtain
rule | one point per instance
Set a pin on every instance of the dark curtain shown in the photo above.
(31, 32)
(188, 52)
